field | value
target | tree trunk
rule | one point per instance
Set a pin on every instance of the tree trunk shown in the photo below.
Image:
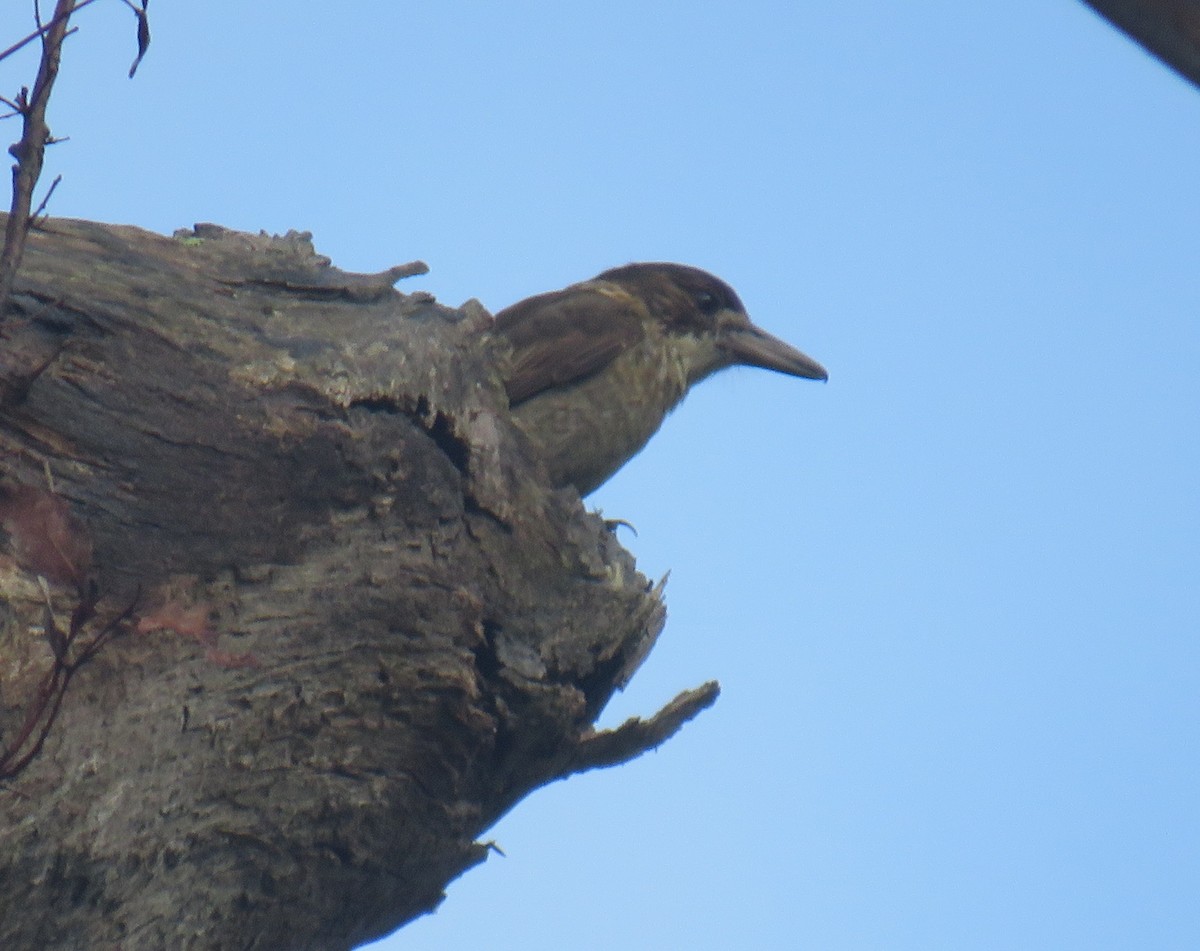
(313, 615)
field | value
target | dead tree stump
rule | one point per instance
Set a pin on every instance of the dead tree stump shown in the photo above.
(342, 622)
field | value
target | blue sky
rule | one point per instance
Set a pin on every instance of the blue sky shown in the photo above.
(952, 596)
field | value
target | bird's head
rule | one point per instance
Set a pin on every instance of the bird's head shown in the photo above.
(694, 306)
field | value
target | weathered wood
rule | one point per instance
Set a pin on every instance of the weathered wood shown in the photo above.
(363, 627)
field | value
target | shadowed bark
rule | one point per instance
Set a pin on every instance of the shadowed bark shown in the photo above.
(347, 625)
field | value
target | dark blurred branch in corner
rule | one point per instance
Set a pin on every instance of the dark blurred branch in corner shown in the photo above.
(1170, 29)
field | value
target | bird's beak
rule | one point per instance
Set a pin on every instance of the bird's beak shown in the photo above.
(755, 347)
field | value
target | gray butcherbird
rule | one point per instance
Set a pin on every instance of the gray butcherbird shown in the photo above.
(597, 366)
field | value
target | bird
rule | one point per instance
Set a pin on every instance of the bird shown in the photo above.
(595, 368)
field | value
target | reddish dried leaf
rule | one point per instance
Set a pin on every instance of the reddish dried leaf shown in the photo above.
(187, 620)
(45, 538)
(194, 621)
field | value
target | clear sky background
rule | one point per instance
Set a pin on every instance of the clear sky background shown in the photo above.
(952, 596)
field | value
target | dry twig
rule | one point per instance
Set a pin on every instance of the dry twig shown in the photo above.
(31, 149)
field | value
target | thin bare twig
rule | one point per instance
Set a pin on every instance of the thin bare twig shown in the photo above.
(45, 201)
(44, 707)
(143, 32)
(21, 44)
(31, 149)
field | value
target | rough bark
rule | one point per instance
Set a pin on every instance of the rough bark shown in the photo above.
(349, 624)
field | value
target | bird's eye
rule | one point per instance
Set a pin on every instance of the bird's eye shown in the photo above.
(708, 303)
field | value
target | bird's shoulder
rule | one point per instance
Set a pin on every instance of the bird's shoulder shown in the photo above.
(565, 336)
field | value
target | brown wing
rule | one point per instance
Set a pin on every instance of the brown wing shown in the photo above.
(566, 336)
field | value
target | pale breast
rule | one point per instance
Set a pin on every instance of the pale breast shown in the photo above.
(588, 430)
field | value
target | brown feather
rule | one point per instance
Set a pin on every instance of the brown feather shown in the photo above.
(566, 336)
